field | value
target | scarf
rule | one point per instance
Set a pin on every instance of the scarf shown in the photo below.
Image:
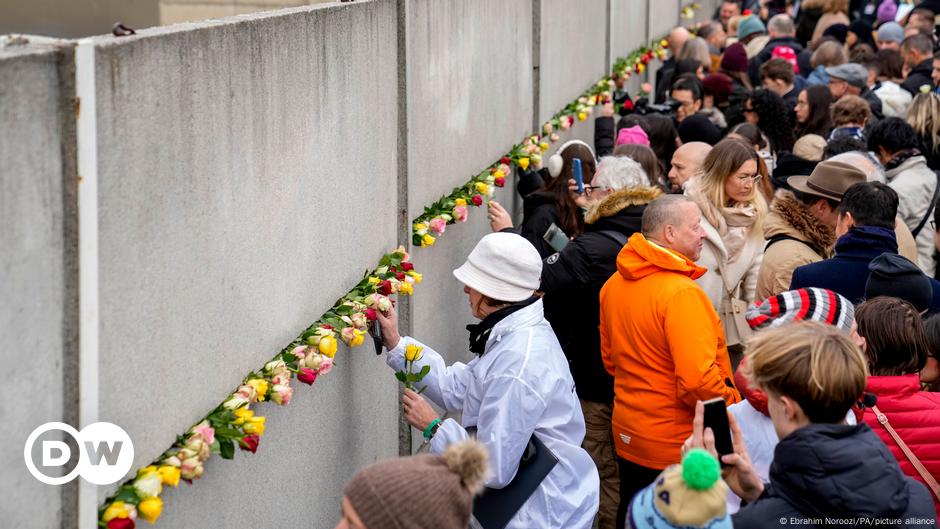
(901, 157)
(734, 224)
(480, 332)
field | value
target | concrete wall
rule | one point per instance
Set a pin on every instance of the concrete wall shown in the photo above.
(250, 169)
(37, 314)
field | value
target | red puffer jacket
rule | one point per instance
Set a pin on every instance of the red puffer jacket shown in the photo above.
(914, 415)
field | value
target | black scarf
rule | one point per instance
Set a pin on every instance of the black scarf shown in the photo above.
(480, 332)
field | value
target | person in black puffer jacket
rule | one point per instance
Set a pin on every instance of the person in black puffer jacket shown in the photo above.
(824, 472)
(571, 282)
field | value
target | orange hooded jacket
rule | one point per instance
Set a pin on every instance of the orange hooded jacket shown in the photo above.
(661, 339)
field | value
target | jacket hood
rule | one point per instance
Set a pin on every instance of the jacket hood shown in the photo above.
(620, 200)
(918, 162)
(755, 397)
(641, 257)
(838, 470)
(789, 216)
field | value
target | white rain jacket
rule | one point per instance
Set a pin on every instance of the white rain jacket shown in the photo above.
(520, 385)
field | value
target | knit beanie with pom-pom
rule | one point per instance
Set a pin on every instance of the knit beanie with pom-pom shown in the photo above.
(422, 492)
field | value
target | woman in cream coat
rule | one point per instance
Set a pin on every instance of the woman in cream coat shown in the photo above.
(733, 211)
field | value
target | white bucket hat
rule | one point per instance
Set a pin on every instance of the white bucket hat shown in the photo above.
(502, 266)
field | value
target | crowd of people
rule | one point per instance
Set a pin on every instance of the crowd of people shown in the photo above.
(759, 231)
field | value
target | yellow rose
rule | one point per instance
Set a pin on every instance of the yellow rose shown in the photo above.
(150, 509)
(427, 240)
(460, 202)
(582, 116)
(374, 280)
(254, 425)
(406, 288)
(170, 475)
(242, 415)
(413, 352)
(116, 510)
(481, 188)
(498, 174)
(260, 385)
(327, 346)
(421, 228)
(543, 146)
(523, 163)
(359, 339)
(417, 277)
(664, 43)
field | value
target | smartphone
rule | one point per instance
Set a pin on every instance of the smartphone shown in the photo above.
(576, 171)
(376, 331)
(555, 238)
(716, 418)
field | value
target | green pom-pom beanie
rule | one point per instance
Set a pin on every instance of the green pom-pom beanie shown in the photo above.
(700, 470)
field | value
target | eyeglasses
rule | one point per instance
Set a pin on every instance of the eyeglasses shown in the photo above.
(752, 178)
(590, 189)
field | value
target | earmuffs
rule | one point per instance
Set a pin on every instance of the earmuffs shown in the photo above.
(555, 161)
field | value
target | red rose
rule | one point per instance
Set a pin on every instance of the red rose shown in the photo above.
(500, 181)
(370, 314)
(477, 200)
(400, 276)
(249, 443)
(628, 104)
(307, 376)
(121, 523)
(326, 326)
(384, 288)
(392, 269)
(505, 160)
(406, 266)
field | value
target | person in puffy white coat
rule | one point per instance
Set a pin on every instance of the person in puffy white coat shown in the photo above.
(733, 212)
(519, 384)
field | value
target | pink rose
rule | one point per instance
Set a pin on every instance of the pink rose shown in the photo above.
(437, 225)
(460, 213)
(282, 394)
(646, 87)
(326, 365)
(307, 376)
(300, 351)
(204, 431)
(504, 168)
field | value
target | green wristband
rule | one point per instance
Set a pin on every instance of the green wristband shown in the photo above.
(429, 431)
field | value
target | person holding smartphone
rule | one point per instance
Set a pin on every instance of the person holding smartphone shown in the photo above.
(518, 386)
(812, 375)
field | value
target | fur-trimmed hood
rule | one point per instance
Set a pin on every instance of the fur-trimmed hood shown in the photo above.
(619, 200)
(789, 216)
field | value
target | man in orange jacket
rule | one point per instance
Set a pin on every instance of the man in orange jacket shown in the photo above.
(661, 339)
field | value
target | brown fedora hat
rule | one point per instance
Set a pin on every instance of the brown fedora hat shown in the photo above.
(829, 180)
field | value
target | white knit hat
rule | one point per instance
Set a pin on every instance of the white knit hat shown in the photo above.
(502, 266)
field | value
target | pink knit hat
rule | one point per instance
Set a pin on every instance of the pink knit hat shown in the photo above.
(633, 134)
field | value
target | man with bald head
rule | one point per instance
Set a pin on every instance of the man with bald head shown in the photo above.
(686, 163)
(662, 342)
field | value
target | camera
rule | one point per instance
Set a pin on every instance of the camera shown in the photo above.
(668, 108)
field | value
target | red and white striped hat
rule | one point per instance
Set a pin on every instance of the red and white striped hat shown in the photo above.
(805, 304)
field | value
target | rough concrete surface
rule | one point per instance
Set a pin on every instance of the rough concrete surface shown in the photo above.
(468, 99)
(33, 279)
(570, 59)
(627, 27)
(245, 167)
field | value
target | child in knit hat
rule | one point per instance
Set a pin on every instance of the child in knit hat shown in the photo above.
(688, 495)
(805, 304)
(383, 495)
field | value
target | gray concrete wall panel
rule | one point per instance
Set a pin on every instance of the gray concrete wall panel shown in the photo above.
(469, 99)
(570, 60)
(33, 278)
(664, 15)
(627, 27)
(238, 161)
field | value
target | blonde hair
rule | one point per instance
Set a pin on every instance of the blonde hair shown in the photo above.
(828, 53)
(696, 48)
(924, 116)
(816, 365)
(837, 6)
(725, 158)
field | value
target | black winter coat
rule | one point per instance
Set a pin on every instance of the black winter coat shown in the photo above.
(572, 282)
(836, 471)
(604, 136)
(918, 77)
(538, 213)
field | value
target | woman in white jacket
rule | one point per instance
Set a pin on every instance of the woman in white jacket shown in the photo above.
(519, 385)
(733, 212)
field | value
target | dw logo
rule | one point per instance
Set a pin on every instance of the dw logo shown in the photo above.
(105, 453)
